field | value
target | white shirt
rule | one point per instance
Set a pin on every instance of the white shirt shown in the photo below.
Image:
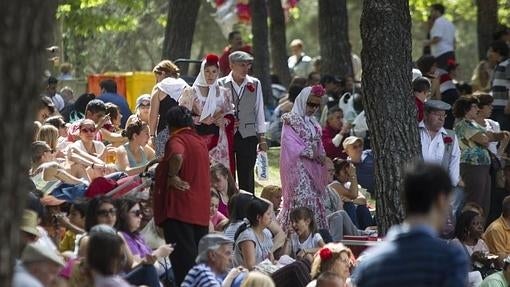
(432, 150)
(58, 101)
(301, 69)
(445, 30)
(259, 101)
(311, 242)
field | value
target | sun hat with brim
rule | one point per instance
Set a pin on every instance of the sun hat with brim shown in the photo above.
(37, 252)
(210, 242)
(29, 222)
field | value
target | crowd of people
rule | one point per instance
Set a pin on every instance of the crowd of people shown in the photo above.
(165, 196)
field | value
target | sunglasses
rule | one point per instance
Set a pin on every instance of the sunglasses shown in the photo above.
(137, 213)
(106, 212)
(86, 130)
(312, 105)
(144, 105)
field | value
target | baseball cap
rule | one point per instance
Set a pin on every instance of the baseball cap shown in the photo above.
(351, 140)
(141, 99)
(210, 242)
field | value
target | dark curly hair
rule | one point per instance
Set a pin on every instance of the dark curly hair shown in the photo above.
(133, 128)
(463, 105)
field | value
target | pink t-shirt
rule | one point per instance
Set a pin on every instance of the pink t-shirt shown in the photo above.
(216, 219)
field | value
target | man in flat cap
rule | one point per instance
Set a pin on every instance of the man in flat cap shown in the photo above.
(249, 113)
(440, 146)
(213, 261)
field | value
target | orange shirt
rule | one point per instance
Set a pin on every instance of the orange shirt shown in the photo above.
(497, 237)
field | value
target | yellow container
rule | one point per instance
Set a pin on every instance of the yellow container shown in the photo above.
(138, 83)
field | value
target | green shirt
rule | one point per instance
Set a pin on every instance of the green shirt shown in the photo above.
(471, 152)
(495, 280)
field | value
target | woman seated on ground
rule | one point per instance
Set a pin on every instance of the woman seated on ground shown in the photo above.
(101, 211)
(303, 238)
(253, 244)
(468, 233)
(223, 182)
(333, 257)
(115, 116)
(143, 105)
(128, 226)
(86, 152)
(133, 156)
(45, 172)
(49, 134)
(238, 206)
(60, 124)
(106, 265)
(339, 221)
(346, 185)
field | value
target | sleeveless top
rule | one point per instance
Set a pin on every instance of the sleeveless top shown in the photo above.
(164, 107)
(131, 157)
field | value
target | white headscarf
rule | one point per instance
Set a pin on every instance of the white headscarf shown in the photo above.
(214, 99)
(299, 108)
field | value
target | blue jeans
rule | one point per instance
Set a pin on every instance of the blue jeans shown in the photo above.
(359, 214)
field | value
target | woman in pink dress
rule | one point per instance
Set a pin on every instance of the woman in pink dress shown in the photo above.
(212, 110)
(302, 171)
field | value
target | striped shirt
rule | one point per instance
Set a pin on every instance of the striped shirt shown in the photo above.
(201, 276)
(500, 84)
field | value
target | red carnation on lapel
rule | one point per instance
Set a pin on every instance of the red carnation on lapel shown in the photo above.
(447, 140)
(250, 87)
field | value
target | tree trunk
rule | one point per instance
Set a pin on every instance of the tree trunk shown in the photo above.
(334, 38)
(259, 30)
(388, 100)
(487, 24)
(278, 42)
(27, 28)
(180, 26)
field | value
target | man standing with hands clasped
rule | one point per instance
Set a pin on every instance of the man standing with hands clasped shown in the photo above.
(249, 112)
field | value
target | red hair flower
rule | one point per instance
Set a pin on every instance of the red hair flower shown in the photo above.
(318, 91)
(212, 59)
(447, 140)
(451, 63)
(325, 254)
(250, 87)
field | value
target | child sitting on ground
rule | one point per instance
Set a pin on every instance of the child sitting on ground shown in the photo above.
(217, 220)
(303, 238)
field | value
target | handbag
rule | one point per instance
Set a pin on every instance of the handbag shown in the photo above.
(496, 170)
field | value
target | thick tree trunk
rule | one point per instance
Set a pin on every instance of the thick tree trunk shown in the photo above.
(388, 100)
(27, 27)
(334, 38)
(487, 24)
(278, 42)
(259, 30)
(180, 26)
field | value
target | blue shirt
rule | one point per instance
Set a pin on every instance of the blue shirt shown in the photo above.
(365, 171)
(413, 257)
(201, 276)
(121, 102)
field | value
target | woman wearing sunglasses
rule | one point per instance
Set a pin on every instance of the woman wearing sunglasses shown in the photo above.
(87, 152)
(303, 174)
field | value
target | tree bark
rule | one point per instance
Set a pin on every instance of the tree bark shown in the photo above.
(27, 28)
(180, 26)
(259, 30)
(487, 24)
(388, 101)
(278, 42)
(334, 38)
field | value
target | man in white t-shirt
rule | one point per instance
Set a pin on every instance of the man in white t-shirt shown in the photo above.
(300, 64)
(442, 37)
